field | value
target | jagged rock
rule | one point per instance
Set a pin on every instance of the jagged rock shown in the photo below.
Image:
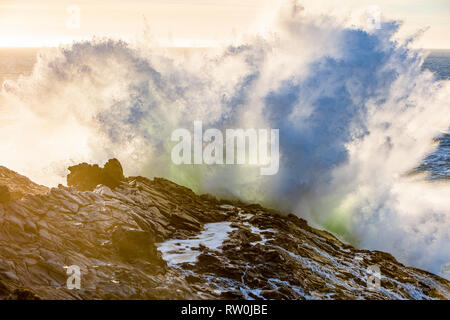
(136, 244)
(19, 185)
(5, 196)
(154, 239)
(86, 177)
(113, 173)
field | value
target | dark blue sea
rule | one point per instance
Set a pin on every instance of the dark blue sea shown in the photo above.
(437, 164)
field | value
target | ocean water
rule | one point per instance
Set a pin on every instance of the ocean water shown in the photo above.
(16, 62)
(354, 109)
(437, 164)
(438, 61)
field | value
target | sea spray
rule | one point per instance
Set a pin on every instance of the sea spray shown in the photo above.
(354, 109)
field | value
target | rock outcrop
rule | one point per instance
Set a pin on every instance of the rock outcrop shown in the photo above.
(18, 185)
(154, 239)
(86, 177)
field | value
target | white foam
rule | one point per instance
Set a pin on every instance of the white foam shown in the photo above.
(177, 251)
(227, 207)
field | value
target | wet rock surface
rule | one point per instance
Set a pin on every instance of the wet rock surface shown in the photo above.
(154, 239)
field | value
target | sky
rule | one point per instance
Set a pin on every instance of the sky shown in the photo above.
(31, 23)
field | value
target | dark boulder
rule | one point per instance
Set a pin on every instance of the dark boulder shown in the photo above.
(135, 244)
(5, 196)
(85, 177)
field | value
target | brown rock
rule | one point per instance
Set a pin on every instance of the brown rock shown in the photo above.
(19, 185)
(85, 177)
(5, 196)
(135, 244)
(113, 173)
(115, 237)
